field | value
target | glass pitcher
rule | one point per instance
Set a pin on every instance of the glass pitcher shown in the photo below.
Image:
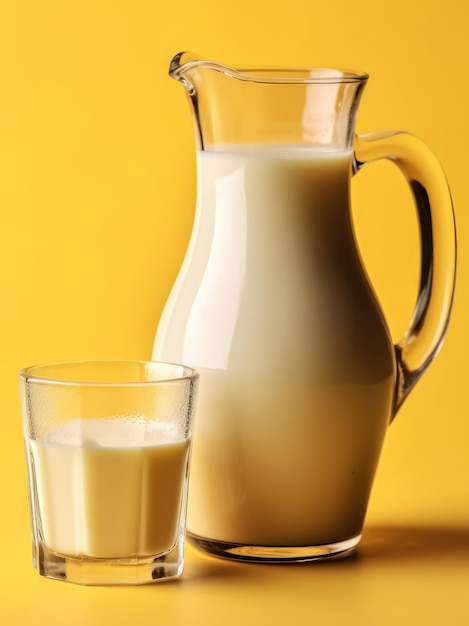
(299, 375)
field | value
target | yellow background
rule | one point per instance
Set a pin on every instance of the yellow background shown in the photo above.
(97, 186)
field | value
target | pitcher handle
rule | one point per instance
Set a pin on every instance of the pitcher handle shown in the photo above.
(424, 336)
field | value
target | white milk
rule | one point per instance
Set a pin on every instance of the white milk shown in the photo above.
(109, 489)
(297, 368)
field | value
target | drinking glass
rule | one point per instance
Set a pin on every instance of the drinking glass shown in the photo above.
(108, 447)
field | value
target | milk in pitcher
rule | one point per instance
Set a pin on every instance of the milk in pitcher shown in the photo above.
(297, 375)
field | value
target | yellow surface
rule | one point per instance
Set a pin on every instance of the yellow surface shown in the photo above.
(96, 204)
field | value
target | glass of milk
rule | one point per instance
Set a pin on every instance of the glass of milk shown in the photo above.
(108, 447)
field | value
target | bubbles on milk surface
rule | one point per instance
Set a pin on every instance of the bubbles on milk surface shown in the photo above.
(122, 431)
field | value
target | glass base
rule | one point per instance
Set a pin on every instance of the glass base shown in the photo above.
(86, 570)
(274, 554)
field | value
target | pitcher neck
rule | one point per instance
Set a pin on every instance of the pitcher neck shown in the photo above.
(311, 107)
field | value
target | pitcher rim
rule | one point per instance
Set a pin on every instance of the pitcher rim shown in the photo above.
(183, 62)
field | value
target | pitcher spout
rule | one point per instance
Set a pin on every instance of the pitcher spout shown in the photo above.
(184, 63)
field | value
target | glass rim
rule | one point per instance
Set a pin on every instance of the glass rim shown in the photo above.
(37, 374)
